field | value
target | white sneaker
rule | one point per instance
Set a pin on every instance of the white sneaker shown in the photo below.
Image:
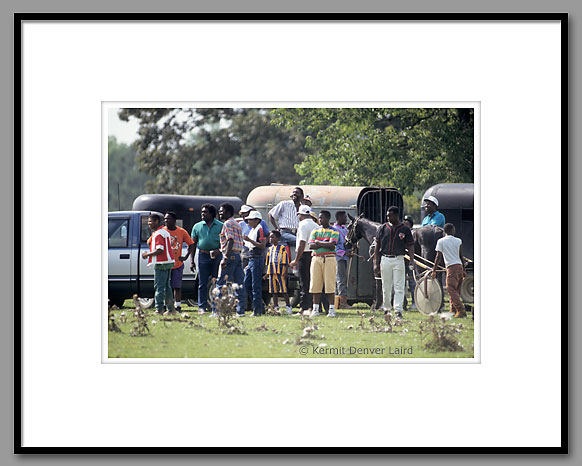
(289, 311)
(314, 313)
(331, 314)
(413, 306)
(214, 314)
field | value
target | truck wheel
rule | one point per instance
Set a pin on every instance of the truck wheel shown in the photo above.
(467, 289)
(146, 303)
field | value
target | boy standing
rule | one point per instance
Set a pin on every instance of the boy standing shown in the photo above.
(276, 262)
(160, 256)
(323, 241)
(450, 248)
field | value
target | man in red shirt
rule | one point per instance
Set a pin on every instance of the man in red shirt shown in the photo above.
(178, 236)
(160, 255)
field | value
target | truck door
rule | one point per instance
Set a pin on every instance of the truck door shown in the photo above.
(145, 287)
(120, 255)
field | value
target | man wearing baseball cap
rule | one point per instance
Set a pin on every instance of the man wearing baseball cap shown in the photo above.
(244, 212)
(433, 216)
(256, 242)
(303, 255)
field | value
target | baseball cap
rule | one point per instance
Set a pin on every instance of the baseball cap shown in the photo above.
(432, 199)
(255, 214)
(245, 208)
(304, 210)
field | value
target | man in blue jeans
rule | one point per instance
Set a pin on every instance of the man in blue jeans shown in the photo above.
(231, 244)
(206, 235)
(255, 241)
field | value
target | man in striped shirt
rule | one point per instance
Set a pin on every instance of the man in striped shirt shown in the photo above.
(323, 241)
(231, 244)
(160, 255)
(284, 216)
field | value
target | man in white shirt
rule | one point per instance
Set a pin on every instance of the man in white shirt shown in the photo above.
(450, 248)
(303, 255)
(284, 216)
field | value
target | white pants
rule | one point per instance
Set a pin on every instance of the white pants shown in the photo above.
(393, 273)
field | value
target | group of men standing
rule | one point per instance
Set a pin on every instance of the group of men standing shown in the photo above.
(394, 239)
(242, 250)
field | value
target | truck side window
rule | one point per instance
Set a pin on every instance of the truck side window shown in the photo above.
(145, 232)
(117, 229)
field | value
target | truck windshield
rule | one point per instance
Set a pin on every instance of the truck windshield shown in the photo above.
(117, 230)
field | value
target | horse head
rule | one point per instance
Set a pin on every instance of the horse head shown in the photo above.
(353, 232)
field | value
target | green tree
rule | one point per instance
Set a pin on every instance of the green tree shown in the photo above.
(214, 151)
(408, 148)
(123, 174)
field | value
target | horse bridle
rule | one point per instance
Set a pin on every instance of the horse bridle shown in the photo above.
(352, 231)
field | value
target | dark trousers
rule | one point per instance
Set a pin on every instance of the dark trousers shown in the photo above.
(207, 270)
(305, 298)
(254, 283)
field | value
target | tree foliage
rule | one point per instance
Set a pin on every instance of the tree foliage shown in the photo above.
(408, 148)
(123, 173)
(214, 151)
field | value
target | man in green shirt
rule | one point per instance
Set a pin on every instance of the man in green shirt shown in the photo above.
(206, 236)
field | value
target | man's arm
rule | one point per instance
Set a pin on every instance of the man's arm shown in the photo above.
(229, 246)
(298, 253)
(462, 260)
(436, 263)
(273, 221)
(412, 262)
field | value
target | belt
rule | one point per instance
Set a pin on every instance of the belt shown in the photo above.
(292, 230)
(204, 251)
(392, 256)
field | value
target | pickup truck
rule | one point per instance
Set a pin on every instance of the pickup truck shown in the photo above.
(128, 272)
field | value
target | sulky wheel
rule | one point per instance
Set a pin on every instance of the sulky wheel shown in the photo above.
(428, 295)
(467, 288)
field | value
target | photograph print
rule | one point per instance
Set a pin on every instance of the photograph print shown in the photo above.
(304, 233)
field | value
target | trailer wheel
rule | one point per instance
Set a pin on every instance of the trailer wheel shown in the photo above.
(295, 298)
(146, 303)
(467, 289)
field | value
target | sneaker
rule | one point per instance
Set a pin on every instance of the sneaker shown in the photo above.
(201, 311)
(158, 312)
(413, 306)
(242, 315)
(289, 311)
(314, 313)
(399, 314)
(331, 314)
(214, 314)
(178, 308)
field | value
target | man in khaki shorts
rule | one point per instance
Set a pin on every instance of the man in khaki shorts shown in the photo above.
(322, 242)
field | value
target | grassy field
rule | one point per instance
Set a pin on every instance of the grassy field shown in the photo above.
(349, 335)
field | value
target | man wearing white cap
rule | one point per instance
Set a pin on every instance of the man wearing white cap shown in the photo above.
(246, 229)
(256, 242)
(433, 216)
(303, 255)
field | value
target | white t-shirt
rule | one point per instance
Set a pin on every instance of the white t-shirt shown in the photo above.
(304, 232)
(449, 246)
